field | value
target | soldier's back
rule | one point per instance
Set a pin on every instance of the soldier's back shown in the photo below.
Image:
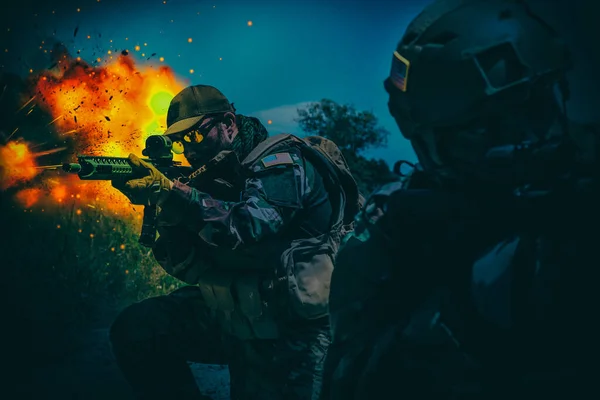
(388, 290)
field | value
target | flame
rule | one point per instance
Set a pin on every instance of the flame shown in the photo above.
(28, 197)
(104, 110)
(17, 164)
(112, 108)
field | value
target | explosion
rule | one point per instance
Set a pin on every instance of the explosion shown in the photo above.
(102, 110)
(17, 164)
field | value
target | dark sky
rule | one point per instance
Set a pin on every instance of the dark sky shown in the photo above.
(294, 52)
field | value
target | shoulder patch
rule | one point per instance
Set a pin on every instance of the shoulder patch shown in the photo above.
(277, 159)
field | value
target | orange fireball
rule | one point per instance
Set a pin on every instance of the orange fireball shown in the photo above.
(112, 109)
(17, 164)
(104, 110)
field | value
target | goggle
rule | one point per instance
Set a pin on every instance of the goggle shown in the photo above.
(195, 135)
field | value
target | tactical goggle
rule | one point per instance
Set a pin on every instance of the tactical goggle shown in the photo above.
(195, 135)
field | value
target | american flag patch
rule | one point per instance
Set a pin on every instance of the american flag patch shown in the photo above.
(277, 159)
(399, 73)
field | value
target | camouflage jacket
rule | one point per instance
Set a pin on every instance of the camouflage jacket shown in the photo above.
(280, 200)
(243, 254)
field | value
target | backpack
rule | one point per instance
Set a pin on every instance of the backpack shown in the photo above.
(308, 262)
(329, 161)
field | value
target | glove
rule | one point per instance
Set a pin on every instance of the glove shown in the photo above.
(152, 188)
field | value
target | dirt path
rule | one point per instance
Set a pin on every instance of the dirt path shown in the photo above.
(90, 373)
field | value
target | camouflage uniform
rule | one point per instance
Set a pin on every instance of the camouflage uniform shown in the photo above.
(238, 312)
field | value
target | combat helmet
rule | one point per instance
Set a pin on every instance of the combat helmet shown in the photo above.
(468, 74)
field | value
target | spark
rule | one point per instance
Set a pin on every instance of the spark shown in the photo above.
(54, 120)
(49, 167)
(189, 40)
(71, 131)
(15, 131)
(33, 146)
(51, 151)
(30, 110)
(24, 105)
(249, 23)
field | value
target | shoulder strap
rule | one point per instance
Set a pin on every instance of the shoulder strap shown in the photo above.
(321, 162)
(332, 180)
(268, 145)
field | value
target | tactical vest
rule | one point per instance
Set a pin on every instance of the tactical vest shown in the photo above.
(285, 275)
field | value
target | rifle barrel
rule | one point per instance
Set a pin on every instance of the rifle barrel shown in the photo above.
(71, 167)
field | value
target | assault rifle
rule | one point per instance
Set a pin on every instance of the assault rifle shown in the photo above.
(158, 152)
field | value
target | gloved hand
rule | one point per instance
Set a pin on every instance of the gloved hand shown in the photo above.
(151, 189)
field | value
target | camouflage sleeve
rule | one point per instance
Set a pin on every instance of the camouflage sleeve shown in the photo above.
(270, 198)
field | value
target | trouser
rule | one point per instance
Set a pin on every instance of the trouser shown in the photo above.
(153, 340)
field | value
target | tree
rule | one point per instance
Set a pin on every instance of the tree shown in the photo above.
(354, 132)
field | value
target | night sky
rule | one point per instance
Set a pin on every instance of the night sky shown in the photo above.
(291, 53)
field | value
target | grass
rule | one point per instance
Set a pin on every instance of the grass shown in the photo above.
(66, 272)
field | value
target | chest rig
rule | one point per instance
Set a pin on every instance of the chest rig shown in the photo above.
(249, 289)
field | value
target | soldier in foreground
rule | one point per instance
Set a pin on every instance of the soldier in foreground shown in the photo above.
(474, 279)
(255, 243)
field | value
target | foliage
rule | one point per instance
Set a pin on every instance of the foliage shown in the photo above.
(69, 271)
(354, 132)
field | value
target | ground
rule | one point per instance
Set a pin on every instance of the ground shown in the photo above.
(89, 372)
